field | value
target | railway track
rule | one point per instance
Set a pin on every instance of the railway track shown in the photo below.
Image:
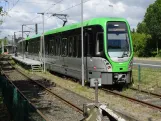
(143, 102)
(146, 92)
(42, 84)
(48, 90)
(40, 90)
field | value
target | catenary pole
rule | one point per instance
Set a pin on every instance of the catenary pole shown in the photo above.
(22, 43)
(82, 43)
(43, 42)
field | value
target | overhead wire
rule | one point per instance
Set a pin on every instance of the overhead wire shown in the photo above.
(9, 11)
(14, 5)
(48, 9)
(51, 7)
(34, 2)
(70, 7)
(73, 6)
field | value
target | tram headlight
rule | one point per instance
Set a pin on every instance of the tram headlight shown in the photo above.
(130, 65)
(109, 68)
(108, 65)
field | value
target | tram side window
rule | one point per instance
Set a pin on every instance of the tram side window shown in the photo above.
(74, 46)
(79, 46)
(50, 47)
(38, 45)
(63, 47)
(88, 45)
(99, 43)
(46, 47)
(35, 41)
(70, 45)
(56, 47)
(35, 46)
(26, 46)
(59, 47)
(31, 47)
(66, 47)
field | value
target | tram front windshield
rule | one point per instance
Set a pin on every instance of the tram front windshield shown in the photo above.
(118, 44)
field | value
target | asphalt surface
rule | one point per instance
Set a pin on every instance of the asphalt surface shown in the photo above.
(147, 63)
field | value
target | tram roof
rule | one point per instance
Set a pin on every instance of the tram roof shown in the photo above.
(94, 21)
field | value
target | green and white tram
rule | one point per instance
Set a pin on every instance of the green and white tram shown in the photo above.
(108, 50)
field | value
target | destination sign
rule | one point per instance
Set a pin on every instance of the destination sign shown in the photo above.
(116, 29)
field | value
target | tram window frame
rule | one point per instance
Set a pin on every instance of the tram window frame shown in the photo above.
(46, 47)
(64, 47)
(87, 42)
(38, 45)
(59, 46)
(70, 52)
(35, 45)
(75, 46)
(79, 46)
(56, 46)
(50, 47)
(99, 43)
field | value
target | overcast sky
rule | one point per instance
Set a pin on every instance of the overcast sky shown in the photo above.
(25, 12)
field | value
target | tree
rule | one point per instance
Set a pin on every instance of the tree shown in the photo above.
(5, 40)
(133, 30)
(152, 19)
(0, 9)
(141, 44)
(142, 28)
(1, 14)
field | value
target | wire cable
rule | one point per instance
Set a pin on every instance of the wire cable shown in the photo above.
(47, 9)
(13, 5)
(73, 6)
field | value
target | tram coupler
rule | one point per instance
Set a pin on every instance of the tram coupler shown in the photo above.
(92, 112)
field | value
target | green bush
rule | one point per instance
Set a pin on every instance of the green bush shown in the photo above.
(159, 54)
(141, 44)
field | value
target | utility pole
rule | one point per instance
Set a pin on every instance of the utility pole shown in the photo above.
(22, 40)
(43, 41)
(22, 43)
(82, 43)
(36, 29)
(14, 38)
(12, 43)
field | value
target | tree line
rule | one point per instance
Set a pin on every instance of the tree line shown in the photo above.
(147, 37)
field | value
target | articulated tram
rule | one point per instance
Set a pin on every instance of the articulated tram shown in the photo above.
(108, 50)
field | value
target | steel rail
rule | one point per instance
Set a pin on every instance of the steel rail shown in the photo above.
(61, 98)
(133, 99)
(146, 92)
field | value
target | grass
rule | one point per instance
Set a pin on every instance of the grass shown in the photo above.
(149, 77)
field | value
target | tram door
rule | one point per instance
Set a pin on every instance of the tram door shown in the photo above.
(87, 51)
